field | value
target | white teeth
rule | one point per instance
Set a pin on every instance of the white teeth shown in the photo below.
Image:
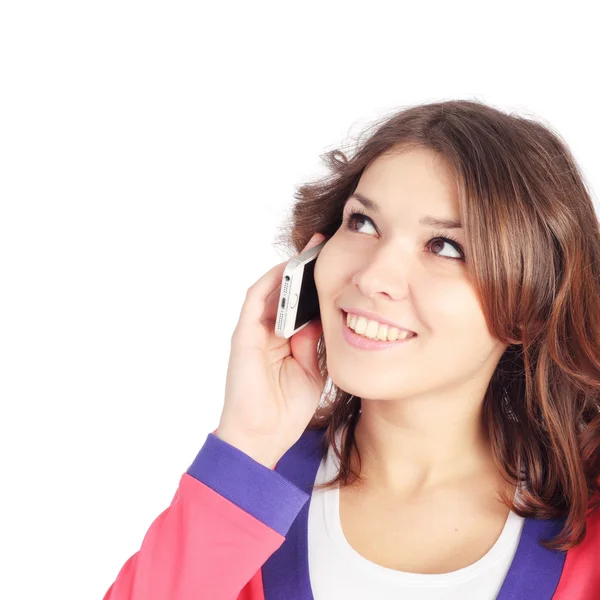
(373, 330)
(382, 333)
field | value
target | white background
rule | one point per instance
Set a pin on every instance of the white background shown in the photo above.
(148, 153)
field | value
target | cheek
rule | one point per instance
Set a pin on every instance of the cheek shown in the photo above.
(328, 271)
(454, 308)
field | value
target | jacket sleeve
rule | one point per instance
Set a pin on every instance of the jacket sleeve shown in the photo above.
(228, 515)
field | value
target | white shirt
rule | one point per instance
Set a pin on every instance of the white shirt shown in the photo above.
(338, 571)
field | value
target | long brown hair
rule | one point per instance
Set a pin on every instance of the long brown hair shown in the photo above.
(534, 241)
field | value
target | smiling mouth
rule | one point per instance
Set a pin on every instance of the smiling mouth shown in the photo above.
(400, 336)
(364, 343)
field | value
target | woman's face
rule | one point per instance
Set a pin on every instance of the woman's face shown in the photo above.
(390, 264)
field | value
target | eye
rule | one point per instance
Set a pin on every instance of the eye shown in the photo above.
(356, 217)
(451, 242)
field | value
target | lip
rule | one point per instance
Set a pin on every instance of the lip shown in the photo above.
(359, 341)
(374, 317)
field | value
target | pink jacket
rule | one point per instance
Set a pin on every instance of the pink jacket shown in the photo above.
(236, 530)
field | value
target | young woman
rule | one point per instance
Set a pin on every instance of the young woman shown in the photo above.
(437, 433)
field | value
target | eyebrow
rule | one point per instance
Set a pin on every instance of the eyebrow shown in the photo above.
(427, 220)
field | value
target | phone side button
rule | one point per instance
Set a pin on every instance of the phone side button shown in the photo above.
(293, 301)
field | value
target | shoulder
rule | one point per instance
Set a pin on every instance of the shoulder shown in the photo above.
(581, 573)
(592, 535)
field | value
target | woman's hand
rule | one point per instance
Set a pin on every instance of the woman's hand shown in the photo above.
(273, 384)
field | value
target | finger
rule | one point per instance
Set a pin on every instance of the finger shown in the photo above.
(305, 350)
(271, 306)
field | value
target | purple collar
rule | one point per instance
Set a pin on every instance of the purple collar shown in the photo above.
(533, 574)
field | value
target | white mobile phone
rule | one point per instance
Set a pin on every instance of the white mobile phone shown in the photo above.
(298, 300)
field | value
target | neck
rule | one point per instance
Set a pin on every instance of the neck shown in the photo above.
(412, 447)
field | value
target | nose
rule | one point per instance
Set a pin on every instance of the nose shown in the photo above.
(384, 271)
